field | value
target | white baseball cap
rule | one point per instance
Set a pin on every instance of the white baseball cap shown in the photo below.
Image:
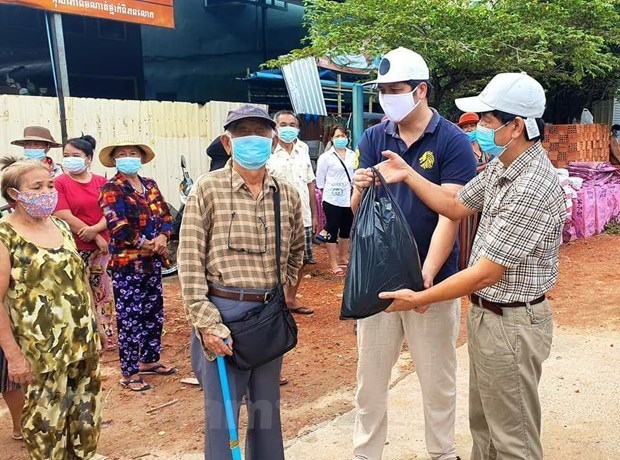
(401, 64)
(514, 93)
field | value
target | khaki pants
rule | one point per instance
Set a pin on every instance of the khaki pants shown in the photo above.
(505, 360)
(432, 343)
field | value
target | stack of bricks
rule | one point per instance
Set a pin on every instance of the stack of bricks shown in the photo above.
(567, 143)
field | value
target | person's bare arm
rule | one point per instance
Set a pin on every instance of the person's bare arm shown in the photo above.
(19, 368)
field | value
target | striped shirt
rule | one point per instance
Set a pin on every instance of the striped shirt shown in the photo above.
(523, 213)
(221, 214)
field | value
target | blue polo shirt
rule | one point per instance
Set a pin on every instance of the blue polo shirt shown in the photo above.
(442, 155)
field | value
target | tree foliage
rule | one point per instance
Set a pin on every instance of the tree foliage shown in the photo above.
(570, 46)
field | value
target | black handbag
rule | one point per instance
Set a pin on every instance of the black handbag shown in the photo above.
(269, 331)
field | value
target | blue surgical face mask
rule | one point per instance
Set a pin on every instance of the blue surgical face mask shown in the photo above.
(341, 142)
(34, 154)
(486, 140)
(74, 165)
(472, 135)
(288, 134)
(129, 165)
(251, 152)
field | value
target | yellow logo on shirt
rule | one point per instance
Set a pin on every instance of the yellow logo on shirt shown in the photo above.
(356, 163)
(427, 160)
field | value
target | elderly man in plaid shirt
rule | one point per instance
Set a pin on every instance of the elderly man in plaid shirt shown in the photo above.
(514, 263)
(227, 265)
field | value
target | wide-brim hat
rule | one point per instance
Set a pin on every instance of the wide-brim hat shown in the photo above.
(37, 134)
(105, 156)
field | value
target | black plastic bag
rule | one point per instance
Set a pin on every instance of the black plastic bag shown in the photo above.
(384, 254)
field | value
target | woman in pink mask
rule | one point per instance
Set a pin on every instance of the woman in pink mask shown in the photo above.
(48, 330)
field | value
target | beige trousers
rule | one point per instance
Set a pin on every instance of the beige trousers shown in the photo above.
(505, 360)
(432, 343)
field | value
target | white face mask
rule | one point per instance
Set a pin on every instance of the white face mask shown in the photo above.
(398, 106)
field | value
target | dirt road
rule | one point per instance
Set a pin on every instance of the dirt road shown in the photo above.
(321, 369)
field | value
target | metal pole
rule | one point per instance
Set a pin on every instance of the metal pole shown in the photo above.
(358, 113)
(339, 81)
(56, 41)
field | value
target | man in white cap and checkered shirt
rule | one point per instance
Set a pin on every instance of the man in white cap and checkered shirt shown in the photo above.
(514, 263)
(441, 153)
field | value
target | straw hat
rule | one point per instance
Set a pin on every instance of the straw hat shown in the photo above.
(38, 134)
(105, 156)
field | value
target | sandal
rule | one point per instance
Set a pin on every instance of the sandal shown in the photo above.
(17, 437)
(283, 380)
(301, 310)
(158, 369)
(127, 384)
(339, 272)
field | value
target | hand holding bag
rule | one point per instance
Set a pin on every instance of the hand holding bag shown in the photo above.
(269, 331)
(384, 254)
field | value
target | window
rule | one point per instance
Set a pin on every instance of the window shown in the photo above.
(112, 30)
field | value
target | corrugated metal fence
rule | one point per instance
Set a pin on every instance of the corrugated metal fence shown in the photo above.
(170, 128)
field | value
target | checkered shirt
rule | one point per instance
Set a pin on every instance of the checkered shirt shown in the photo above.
(204, 254)
(523, 212)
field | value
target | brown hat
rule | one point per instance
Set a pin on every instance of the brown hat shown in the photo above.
(36, 133)
(468, 118)
(248, 111)
(105, 156)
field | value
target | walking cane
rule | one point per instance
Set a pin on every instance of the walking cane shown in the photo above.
(230, 418)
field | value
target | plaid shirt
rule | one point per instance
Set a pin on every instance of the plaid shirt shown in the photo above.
(221, 213)
(523, 212)
(132, 218)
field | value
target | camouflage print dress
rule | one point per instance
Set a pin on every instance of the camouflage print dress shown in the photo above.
(54, 325)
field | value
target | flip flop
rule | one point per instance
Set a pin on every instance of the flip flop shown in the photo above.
(17, 437)
(283, 380)
(301, 310)
(154, 370)
(339, 272)
(126, 384)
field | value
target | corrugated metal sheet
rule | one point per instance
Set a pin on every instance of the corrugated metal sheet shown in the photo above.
(170, 128)
(606, 111)
(304, 87)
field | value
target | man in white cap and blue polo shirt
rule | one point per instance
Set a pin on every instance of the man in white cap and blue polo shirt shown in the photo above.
(441, 153)
(514, 263)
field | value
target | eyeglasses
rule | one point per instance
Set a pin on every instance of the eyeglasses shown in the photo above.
(261, 227)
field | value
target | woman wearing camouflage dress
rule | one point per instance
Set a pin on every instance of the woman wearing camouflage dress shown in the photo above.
(48, 329)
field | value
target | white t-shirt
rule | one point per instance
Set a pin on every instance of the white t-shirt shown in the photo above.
(296, 168)
(332, 178)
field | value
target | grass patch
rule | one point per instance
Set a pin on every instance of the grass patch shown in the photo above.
(613, 226)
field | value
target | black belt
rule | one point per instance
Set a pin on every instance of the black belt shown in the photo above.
(496, 307)
(239, 295)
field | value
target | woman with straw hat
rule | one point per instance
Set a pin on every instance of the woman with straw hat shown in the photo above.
(139, 223)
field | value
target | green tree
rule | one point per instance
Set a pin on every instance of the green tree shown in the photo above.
(571, 46)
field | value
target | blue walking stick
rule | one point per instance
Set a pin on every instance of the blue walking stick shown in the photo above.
(230, 418)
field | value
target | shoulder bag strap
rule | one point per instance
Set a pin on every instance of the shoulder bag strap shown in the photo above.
(344, 166)
(276, 209)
